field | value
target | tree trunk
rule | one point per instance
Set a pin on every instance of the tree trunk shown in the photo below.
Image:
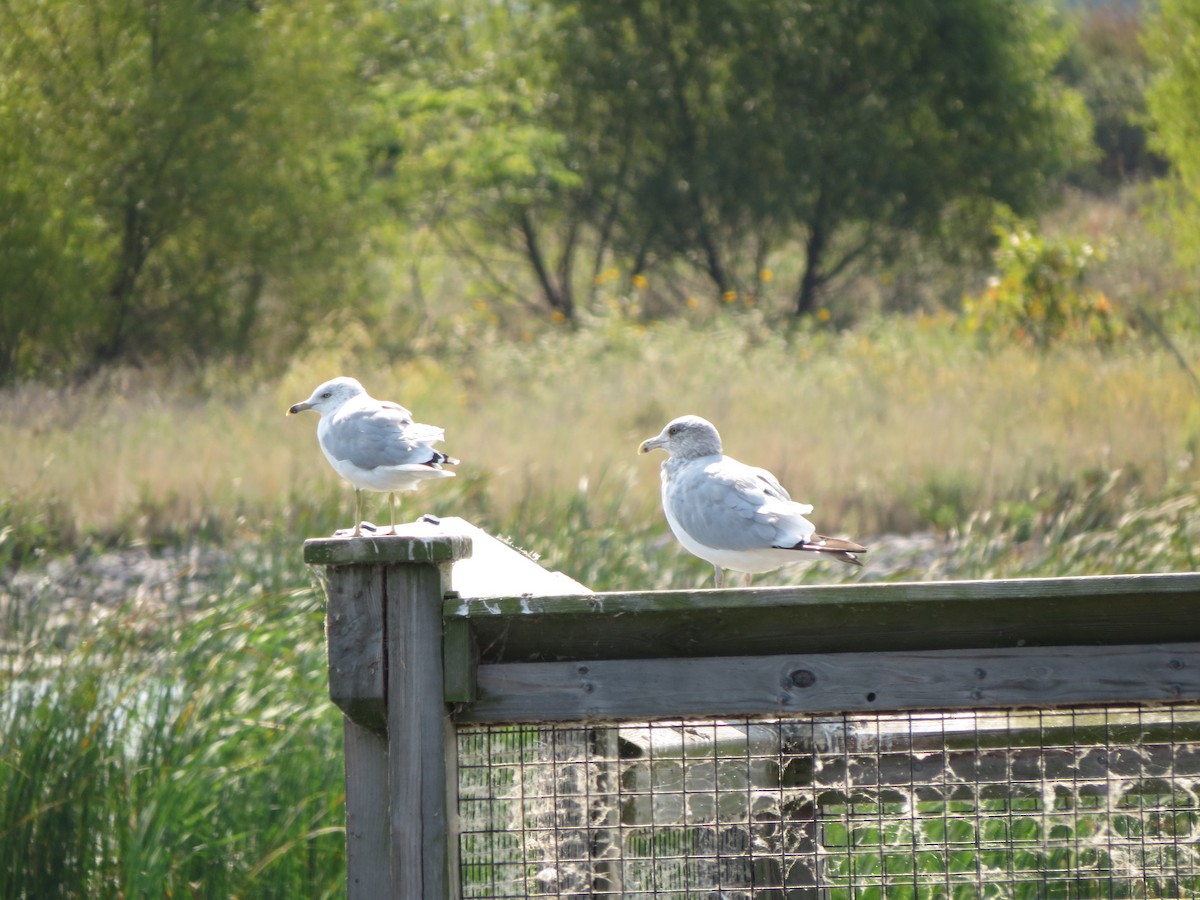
(713, 264)
(557, 296)
(814, 251)
(134, 248)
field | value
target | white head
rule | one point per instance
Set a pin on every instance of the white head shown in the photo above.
(687, 437)
(330, 396)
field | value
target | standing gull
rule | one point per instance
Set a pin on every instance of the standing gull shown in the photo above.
(374, 444)
(731, 514)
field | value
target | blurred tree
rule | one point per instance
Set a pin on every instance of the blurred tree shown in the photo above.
(464, 145)
(717, 132)
(1172, 37)
(727, 128)
(169, 170)
(657, 124)
(1107, 63)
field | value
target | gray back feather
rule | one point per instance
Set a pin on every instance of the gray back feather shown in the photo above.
(381, 435)
(730, 506)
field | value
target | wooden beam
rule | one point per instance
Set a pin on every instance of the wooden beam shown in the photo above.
(1115, 609)
(414, 544)
(495, 569)
(460, 661)
(354, 644)
(423, 774)
(368, 874)
(384, 633)
(834, 682)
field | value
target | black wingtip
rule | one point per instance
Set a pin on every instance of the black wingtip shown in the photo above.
(836, 548)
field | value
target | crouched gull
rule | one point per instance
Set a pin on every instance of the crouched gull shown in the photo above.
(733, 515)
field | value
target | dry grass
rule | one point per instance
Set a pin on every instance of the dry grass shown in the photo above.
(880, 428)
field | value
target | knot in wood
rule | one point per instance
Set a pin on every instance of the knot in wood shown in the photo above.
(802, 678)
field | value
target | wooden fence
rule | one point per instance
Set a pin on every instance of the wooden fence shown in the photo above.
(444, 627)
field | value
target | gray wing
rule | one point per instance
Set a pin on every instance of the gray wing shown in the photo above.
(769, 483)
(725, 504)
(381, 434)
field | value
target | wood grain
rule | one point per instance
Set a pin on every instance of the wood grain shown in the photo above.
(839, 682)
(1117, 609)
(354, 638)
(416, 547)
(368, 826)
(421, 750)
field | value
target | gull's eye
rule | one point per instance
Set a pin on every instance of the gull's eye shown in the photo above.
(673, 430)
(327, 395)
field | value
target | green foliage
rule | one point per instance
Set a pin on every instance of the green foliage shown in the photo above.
(1107, 63)
(173, 752)
(1173, 100)
(946, 499)
(32, 528)
(1039, 294)
(201, 179)
(1103, 522)
(724, 130)
(168, 173)
(651, 135)
(464, 145)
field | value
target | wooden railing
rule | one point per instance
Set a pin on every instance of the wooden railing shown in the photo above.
(443, 625)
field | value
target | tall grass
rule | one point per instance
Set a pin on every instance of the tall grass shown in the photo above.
(191, 755)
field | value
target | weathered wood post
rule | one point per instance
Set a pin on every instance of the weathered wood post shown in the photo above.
(384, 632)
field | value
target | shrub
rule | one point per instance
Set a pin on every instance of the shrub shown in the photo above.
(1038, 294)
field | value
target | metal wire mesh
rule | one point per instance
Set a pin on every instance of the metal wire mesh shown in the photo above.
(1099, 802)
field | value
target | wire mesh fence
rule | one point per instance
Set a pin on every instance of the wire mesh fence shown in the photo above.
(1089, 802)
